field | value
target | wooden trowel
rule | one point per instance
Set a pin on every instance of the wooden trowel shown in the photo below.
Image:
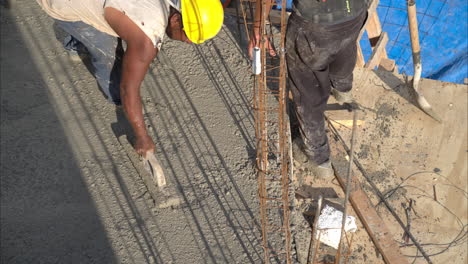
(152, 174)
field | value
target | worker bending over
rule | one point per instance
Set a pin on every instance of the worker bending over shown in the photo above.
(320, 54)
(101, 25)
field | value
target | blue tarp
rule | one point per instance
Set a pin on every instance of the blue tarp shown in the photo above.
(443, 35)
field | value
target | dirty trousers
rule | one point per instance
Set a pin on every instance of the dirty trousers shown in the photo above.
(106, 54)
(319, 58)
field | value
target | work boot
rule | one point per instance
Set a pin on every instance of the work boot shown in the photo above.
(343, 97)
(322, 171)
(298, 151)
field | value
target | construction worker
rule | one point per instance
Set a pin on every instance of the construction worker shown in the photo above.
(99, 26)
(320, 54)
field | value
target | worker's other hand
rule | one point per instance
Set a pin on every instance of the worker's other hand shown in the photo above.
(143, 145)
(255, 42)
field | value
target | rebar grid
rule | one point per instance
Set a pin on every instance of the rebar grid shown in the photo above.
(272, 138)
(246, 19)
(272, 142)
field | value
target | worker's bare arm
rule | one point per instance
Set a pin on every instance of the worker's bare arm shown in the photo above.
(137, 58)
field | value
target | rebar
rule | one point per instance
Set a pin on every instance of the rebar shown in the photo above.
(313, 241)
(272, 136)
(348, 188)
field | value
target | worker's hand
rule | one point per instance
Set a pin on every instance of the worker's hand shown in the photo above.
(143, 145)
(255, 42)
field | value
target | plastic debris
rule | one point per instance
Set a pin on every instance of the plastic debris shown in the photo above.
(329, 226)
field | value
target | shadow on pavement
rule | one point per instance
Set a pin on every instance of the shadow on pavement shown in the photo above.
(47, 213)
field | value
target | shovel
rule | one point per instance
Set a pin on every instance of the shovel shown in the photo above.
(413, 28)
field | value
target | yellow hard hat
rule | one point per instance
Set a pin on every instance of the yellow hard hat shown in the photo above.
(202, 19)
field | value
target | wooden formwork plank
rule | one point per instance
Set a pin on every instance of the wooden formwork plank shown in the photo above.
(375, 227)
(360, 62)
(373, 28)
(370, 11)
(378, 52)
(374, 31)
(387, 64)
(371, 16)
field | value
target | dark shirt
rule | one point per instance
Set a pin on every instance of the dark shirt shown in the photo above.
(329, 12)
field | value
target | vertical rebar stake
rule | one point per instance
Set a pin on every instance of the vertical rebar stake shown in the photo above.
(313, 240)
(348, 189)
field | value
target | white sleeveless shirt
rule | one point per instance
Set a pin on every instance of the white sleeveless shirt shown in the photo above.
(151, 16)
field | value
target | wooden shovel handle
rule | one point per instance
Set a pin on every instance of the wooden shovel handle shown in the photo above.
(414, 36)
(413, 28)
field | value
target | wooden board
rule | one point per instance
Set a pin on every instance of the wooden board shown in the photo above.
(370, 12)
(360, 62)
(378, 53)
(375, 227)
(387, 65)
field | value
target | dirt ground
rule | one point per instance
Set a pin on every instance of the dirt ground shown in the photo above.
(69, 193)
(413, 158)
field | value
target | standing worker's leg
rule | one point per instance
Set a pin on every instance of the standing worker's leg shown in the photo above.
(319, 57)
(341, 68)
(310, 86)
(106, 56)
(310, 100)
(341, 73)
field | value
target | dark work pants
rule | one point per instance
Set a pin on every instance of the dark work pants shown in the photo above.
(319, 57)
